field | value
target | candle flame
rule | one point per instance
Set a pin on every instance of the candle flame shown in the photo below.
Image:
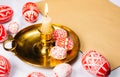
(46, 9)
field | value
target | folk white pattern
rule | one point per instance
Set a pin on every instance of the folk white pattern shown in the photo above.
(4, 67)
(93, 62)
(3, 33)
(6, 13)
(59, 34)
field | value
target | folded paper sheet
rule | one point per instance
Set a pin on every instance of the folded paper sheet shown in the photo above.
(96, 22)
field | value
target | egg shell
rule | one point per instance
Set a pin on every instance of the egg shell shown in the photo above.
(3, 33)
(36, 74)
(13, 27)
(4, 67)
(62, 70)
(58, 52)
(30, 12)
(59, 34)
(66, 43)
(95, 63)
(6, 13)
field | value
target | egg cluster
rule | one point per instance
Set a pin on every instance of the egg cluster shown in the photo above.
(92, 61)
(63, 44)
(30, 13)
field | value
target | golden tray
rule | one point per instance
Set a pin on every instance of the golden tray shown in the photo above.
(24, 40)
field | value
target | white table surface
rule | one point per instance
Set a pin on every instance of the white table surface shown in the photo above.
(21, 69)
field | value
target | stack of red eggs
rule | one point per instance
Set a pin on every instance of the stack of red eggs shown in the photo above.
(63, 44)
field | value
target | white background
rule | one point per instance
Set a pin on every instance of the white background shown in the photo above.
(21, 69)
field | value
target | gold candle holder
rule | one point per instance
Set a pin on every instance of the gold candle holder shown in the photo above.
(33, 46)
(44, 46)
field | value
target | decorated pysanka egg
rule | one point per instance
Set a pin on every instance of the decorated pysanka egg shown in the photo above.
(4, 67)
(95, 63)
(3, 33)
(30, 12)
(59, 34)
(6, 13)
(36, 74)
(66, 43)
(13, 27)
(62, 70)
(58, 52)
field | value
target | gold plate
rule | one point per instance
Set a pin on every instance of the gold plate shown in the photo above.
(25, 40)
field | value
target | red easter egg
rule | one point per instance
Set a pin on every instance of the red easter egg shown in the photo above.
(66, 43)
(3, 33)
(95, 63)
(62, 70)
(30, 12)
(6, 13)
(36, 74)
(58, 52)
(4, 67)
(59, 34)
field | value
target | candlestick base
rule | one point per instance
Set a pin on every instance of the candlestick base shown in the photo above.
(43, 47)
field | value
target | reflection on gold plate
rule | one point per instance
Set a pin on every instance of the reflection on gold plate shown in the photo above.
(29, 36)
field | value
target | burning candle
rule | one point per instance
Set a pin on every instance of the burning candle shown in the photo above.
(46, 27)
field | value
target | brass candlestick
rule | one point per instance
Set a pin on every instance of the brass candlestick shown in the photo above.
(44, 46)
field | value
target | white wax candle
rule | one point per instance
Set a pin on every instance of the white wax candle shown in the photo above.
(46, 27)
